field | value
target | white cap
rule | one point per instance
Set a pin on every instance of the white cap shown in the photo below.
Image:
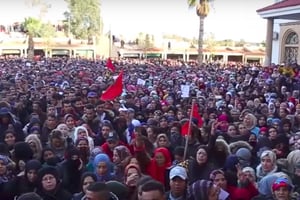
(178, 171)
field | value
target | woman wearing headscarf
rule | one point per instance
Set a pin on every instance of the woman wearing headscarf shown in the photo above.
(162, 140)
(49, 158)
(250, 122)
(82, 144)
(58, 143)
(200, 166)
(71, 169)
(132, 175)
(121, 158)
(279, 143)
(22, 154)
(203, 190)
(267, 164)
(49, 185)
(28, 182)
(4, 178)
(35, 144)
(69, 120)
(103, 168)
(156, 166)
(82, 132)
(87, 179)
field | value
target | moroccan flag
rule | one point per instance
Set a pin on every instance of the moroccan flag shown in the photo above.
(185, 128)
(197, 116)
(110, 65)
(114, 90)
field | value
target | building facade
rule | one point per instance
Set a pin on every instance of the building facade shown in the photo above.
(283, 30)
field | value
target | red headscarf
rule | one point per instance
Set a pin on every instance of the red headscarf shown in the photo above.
(158, 172)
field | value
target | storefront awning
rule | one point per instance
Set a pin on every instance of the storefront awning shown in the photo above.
(11, 51)
(60, 52)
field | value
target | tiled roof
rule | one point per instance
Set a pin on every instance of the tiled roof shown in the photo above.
(281, 4)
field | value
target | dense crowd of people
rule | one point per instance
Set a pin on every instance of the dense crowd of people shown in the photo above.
(60, 141)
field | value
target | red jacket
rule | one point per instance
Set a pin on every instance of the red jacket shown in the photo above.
(246, 193)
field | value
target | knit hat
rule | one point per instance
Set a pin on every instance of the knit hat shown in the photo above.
(244, 156)
(23, 151)
(48, 170)
(281, 182)
(32, 165)
(231, 162)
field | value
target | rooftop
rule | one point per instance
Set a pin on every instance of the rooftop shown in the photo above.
(281, 4)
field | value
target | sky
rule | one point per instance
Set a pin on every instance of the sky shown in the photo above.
(228, 19)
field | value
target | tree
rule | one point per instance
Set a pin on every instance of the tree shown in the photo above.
(47, 32)
(32, 28)
(202, 10)
(84, 17)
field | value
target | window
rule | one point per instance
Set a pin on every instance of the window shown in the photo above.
(291, 48)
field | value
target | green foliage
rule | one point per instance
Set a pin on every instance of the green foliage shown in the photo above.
(192, 3)
(32, 26)
(47, 31)
(84, 16)
(36, 28)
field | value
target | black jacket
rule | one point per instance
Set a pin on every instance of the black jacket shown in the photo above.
(59, 194)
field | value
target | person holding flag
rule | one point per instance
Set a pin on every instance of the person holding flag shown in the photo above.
(198, 165)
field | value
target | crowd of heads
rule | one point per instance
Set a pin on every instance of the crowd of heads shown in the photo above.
(59, 140)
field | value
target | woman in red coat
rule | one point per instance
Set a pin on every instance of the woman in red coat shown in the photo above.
(157, 166)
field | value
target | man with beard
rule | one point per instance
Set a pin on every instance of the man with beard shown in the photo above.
(71, 170)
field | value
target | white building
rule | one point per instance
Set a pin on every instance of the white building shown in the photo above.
(283, 30)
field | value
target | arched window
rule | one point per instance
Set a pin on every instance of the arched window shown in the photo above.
(291, 48)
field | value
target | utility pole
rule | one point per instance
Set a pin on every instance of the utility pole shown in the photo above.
(110, 41)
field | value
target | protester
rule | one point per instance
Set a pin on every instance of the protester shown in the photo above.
(231, 126)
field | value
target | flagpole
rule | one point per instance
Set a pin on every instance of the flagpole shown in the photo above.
(189, 132)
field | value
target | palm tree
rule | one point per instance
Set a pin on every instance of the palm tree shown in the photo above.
(32, 28)
(202, 10)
